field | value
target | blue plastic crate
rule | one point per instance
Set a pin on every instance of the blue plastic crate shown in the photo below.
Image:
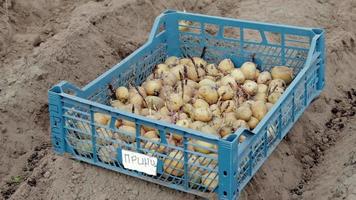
(230, 165)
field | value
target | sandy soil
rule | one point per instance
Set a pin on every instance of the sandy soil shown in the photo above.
(45, 41)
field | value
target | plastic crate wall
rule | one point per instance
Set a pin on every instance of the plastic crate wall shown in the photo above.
(231, 164)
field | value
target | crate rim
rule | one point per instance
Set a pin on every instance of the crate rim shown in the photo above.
(58, 88)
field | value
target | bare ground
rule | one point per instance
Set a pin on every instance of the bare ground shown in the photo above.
(45, 41)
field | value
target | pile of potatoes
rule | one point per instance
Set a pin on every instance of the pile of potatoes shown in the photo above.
(215, 99)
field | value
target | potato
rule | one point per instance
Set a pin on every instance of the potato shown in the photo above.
(172, 61)
(276, 83)
(136, 99)
(202, 114)
(216, 122)
(174, 163)
(257, 74)
(177, 71)
(122, 93)
(249, 70)
(150, 134)
(248, 103)
(166, 118)
(154, 117)
(230, 118)
(210, 130)
(209, 94)
(193, 161)
(175, 102)
(101, 118)
(194, 73)
(200, 103)
(169, 78)
(225, 92)
(128, 123)
(186, 61)
(207, 82)
(205, 161)
(160, 69)
(127, 133)
(228, 106)
(278, 90)
(166, 92)
(261, 97)
(153, 87)
(259, 109)
(282, 72)
(154, 102)
(264, 78)
(228, 80)
(210, 181)
(187, 89)
(238, 75)
(202, 146)
(253, 122)
(199, 62)
(225, 130)
(240, 124)
(164, 111)
(212, 70)
(215, 110)
(197, 125)
(273, 98)
(250, 87)
(226, 66)
(146, 111)
(183, 123)
(262, 88)
(191, 83)
(244, 113)
(188, 109)
(153, 146)
(117, 104)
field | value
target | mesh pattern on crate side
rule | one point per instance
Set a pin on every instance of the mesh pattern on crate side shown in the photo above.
(103, 149)
(311, 82)
(287, 112)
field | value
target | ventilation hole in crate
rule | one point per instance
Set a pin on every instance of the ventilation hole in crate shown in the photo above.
(225, 173)
(273, 38)
(211, 29)
(189, 26)
(251, 35)
(297, 41)
(232, 32)
(225, 193)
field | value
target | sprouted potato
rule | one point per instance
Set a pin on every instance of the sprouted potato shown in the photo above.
(213, 98)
